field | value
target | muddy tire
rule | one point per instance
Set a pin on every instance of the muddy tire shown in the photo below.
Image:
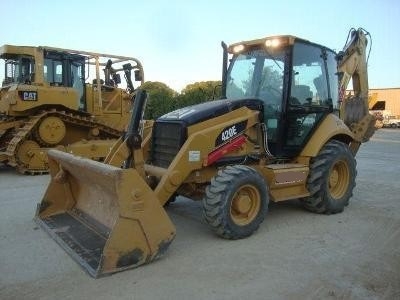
(236, 202)
(331, 179)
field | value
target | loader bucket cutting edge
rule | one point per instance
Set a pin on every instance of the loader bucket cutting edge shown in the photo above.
(108, 219)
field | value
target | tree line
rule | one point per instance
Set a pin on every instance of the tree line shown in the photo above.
(162, 99)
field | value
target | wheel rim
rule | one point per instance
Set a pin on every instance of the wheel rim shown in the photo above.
(339, 179)
(52, 130)
(26, 150)
(245, 205)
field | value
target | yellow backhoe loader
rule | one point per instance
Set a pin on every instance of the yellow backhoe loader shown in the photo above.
(283, 130)
(52, 97)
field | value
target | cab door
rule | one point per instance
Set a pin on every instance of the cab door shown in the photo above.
(309, 98)
(64, 72)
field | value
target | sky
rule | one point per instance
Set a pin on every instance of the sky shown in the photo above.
(179, 42)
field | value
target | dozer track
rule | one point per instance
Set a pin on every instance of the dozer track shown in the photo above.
(26, 150)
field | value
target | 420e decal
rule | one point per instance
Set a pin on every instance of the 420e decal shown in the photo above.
(230, 132)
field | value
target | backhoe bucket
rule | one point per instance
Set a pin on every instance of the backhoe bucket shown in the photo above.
(108, 219)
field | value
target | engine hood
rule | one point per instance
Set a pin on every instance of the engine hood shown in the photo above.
(208, 110)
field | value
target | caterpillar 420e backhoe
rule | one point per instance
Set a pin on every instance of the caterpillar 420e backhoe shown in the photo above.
(52, 97)
(283, 131)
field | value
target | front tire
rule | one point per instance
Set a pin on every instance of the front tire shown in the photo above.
(236, 202)
(331, 179)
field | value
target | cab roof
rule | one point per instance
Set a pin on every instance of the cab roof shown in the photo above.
(274, 41)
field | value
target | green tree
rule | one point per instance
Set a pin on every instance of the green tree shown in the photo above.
(161, 99)
(199, 92)
(270, 78)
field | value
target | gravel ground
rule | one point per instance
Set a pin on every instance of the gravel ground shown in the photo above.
(295, 254)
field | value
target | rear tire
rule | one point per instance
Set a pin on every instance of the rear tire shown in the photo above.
(331, 179)
(236, 202)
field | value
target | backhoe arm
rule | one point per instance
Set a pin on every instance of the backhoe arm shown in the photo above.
(352, 64)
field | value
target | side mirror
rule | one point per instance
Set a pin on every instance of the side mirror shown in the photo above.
(217, 92)
(138, 75)
(116, 78)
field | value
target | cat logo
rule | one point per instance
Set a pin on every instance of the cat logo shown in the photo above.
(28, 96)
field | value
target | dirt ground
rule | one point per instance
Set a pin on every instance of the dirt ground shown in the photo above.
(295, 254)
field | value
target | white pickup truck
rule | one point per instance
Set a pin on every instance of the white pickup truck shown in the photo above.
(391, 121)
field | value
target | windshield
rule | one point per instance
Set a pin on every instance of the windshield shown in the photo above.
(257, 74)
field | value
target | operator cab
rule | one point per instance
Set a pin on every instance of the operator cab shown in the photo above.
(60, 69)
(296, 81)
(66, 70)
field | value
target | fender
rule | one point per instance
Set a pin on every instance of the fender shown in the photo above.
(330, 127)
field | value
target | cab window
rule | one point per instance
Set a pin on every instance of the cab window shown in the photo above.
(53, 71)
(19, 70)
(309, 85)
(309, 99)
(333, 78)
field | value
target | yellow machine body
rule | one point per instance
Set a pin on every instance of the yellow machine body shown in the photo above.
(52, 97)
(235, 155)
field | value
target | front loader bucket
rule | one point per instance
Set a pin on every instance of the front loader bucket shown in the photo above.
(108, 219)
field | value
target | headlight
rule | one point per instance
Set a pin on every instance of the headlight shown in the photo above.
(272, 43)
(238, 48)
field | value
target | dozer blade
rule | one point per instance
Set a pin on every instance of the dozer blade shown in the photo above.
(108, 219)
